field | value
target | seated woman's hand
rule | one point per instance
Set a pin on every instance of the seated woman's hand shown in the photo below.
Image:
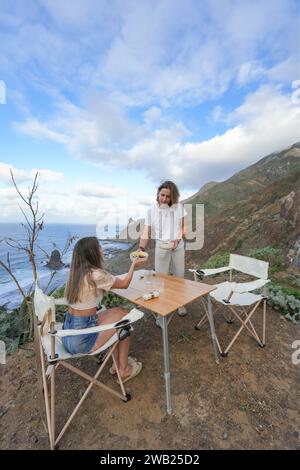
(138, 257)
(138, 261)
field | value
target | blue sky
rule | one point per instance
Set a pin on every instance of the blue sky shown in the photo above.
(108, 98)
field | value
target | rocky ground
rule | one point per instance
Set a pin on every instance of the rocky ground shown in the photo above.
(249, 401)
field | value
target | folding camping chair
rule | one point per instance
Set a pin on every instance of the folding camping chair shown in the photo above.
(235, 297)
(51, 353)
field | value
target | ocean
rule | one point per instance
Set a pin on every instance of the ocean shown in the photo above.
(53, 236)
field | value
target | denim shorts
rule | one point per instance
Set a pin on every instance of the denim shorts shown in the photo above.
(80, 344)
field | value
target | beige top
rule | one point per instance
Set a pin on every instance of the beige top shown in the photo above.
(88, 299)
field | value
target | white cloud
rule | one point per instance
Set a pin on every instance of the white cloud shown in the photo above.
(5, 177)
(134, 63)
(47, 175)
(90, 189)
(248, 72)
(266, 121)
(27, 175)
(8, 194)
(38, 130)
(150, 52)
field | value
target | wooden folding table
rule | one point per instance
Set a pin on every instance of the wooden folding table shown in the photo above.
(175, 292)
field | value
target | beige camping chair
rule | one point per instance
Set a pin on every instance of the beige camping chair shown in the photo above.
(236, 297)
(52, 354)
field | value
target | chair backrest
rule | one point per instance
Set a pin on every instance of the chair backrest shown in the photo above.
(43, 305)
(251, 266)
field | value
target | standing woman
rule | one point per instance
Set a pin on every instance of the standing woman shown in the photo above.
(166, 222)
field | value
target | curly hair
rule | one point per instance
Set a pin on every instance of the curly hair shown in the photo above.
(174, 191)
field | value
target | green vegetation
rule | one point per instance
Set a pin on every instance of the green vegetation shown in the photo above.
(287, 301)
(185, 337)
(238, 245)
(273, 254)
(14, 327)
(292, 292)
(111, 300)
(217, 261)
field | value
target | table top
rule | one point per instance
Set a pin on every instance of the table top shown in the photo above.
(174, 291)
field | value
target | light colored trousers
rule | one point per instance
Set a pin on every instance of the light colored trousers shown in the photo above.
(170, 261)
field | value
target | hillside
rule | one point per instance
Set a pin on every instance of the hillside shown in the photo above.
(255, 178)
(255, 208)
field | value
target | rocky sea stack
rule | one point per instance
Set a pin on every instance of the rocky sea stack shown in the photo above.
(55, 261)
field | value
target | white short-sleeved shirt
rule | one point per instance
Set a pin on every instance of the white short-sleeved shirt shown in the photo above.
(165, 222)
(88, 297)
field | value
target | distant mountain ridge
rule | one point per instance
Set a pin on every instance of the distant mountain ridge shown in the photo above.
(246, 182)
(255, 208)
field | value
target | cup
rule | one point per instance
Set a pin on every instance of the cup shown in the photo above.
(149, 279)
(158, 283)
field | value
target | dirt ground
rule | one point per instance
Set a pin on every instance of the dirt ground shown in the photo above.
(249, 401)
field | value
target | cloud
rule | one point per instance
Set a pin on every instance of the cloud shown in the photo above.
(8, 194)
(27, 175)
(60, 207)
(47, 175)
(36, 129)
(149, 53)
(120, 99)
(5, 177)
(249, 72)
(160, 147)
(90, 189)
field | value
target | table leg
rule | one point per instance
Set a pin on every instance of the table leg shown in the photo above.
(167, 364)
(212, 329)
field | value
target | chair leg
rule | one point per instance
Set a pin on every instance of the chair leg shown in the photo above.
(52, 444)
(251, 331)
(202, 320)
(93, 381)
(264, 321)
(254, 333)
(52, 397)
(244, 325)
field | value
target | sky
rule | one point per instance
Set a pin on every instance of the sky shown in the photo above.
(107, 99)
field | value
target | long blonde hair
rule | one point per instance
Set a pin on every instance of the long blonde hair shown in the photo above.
(87, 255)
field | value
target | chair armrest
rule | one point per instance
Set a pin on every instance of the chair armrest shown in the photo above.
(249, 286)
(127, 320)
(210, 272)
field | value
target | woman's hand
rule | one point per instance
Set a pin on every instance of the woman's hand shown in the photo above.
(176, 243)
(138, 262)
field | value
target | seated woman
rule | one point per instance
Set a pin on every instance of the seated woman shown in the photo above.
(84, 290)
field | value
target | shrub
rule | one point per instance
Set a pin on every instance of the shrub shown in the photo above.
(285, 300)
(14, 327)
(273, 254)
(217, 261)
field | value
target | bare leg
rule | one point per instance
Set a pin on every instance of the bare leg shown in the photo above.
(113, 315)
(123, 349)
